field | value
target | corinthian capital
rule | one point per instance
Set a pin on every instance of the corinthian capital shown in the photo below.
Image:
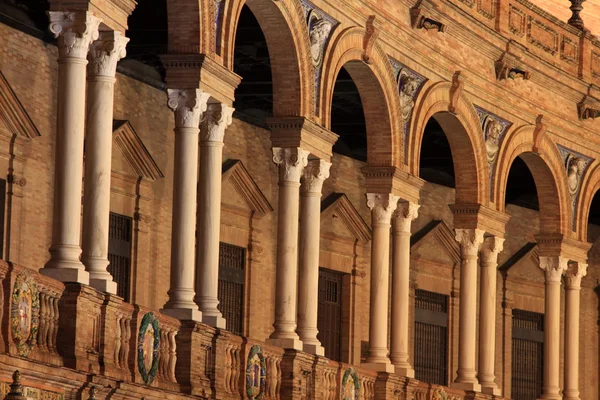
(405, 214)
(188, 105)
(291, 162)
(554, 267)
(575, 272)
(75, 32)
(314, 175)
(470, 241)
(105, 53)
(382, 207)
(215, 120)
(492, 246)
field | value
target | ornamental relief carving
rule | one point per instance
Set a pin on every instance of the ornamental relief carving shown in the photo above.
(491, 247)
(188, 105)
(406, 213)
(382, 207)
(407, 87)
(314, 175)
(75, 32)
(575, 272)
(291, 162)
(553, 267)
(106, 52)
(470, 241)
(319, 29)
(516, 21)
(494, 129)
(215, 120)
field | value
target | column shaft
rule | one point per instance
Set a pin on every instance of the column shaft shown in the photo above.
(104, 55)
(215, 120)
(405, 214)
(572, 299)
(75, 32)
(310, 233)
(291, 162)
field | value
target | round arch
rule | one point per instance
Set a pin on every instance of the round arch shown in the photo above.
(378, 92)
(463, 131)
(589, 188)
(546, 166)
(284, 27)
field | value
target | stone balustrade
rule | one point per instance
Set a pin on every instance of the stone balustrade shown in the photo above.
(129, 350)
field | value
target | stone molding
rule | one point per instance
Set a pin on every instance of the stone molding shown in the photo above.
(304, 133)
(105, 53)
(338, 204)
(554, 267)
(481, 217)
(421, 19)
(574, 273)
(14, 115)
(373, 27)
(291, 162)
(491, 247)
(236, 173)
(470, 241)
(215, 120)
(135, 152)
(588, 108)
(406, 213)
(314, 175)
(382, 207)
(75, 32)
(458, 85)
(392, 180)
(188, 106)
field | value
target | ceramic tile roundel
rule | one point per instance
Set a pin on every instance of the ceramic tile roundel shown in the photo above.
(148, 346)
(350, 385)
(25, 306)
(256, 373)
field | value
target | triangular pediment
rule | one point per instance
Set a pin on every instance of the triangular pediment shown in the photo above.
(337, 205)
(525, 262)
(134, 151)
(436, 242)
(13, 113)
(236, 174)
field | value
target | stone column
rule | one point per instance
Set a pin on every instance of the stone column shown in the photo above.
(104, 54)
(490, 249)
(573, 287)
(188, 106)
(75, 32)
(553, 267)
(382, 207)
(404, 216)
(212, 130)
(291, 163)
(470, 240)
(310, 234)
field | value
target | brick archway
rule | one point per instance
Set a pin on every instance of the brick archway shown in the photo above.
(548, 172)
(463, 131)
(589, 188)
(378, 93)
(284, 27)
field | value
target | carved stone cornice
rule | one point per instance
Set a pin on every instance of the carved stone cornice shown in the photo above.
(314, 175)
(113, 13)
(75, 32)
(575, 272)
(508, 67)
(406, 213)
(491, 247)
(215, 120)
(392, 180)
(421, 19)
(554, 267)
(382, 207)
(188, 106)
(291, 162)
(373, 27)
(588, 108)
(105, 53)
(556, 244)
(477, 216)
(470, 241)
(304, 133)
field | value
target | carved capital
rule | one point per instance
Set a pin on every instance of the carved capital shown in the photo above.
(313, 176)
(575, 272)
(75, 32)
(188, 105)
(382, 207)
(105, 53)
(553, 267)
(406, 213)
(491, 247)
(470, 241)
(458, 84)
(291, 162)
(215, 120)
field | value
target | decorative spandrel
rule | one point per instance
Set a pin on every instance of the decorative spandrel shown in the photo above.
(576, 165)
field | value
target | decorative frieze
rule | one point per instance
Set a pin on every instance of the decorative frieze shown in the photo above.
(75, 32)
(542, 36)
(517, 21)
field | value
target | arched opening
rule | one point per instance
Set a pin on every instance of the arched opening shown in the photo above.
(593, 227)
(254, 96)
(348, 118)
(28, 16)
(436, 165)
(520, 187)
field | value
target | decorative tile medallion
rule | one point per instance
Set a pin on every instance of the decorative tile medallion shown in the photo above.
(256, 373)
(25, 311)
(350, 385)
(148, 347)
(575, 166)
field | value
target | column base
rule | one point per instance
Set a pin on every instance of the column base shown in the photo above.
(286, 343)
(379, 366)
(405, 371)
(312, 348)
(467, 386)
(216, 321)
(491, 389)
(571, 395)
(183, 314)
(553, 396)
(68, 274)
(104, 285)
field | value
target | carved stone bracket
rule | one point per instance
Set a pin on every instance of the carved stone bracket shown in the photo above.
(371, 34)
(75, 32)
(458, 84)
(588, 108)
(215, 120)
(420, 20)
(17, 180)
(538, 132)
(508, 67)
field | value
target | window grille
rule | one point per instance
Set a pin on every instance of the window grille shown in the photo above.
(232, 278)
(431, 337)
(527, 355)
(329, 322)
(119, 253)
